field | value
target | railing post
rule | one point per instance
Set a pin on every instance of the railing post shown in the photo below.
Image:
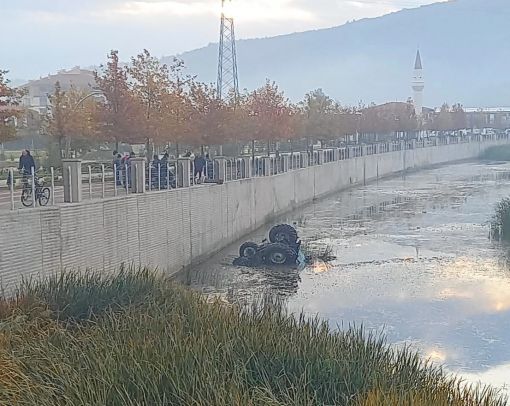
(11, 187)
(247, 167)
(266, 166)
(52, 174)
(159, 176)
(336, 154)
(34, 194)
(303, 158)
(221, 172)
(90, 182)
(137, 166)
(72, 180)
(116, 179)
(286, 159)
(184, 172)
(150, 176)
(102, 182)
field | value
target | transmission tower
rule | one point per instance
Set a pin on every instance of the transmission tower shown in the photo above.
(227, 62)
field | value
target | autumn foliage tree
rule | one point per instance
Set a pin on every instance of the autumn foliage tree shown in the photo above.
(71, 117)
(10, 110)
(119, 112)
(268, 114)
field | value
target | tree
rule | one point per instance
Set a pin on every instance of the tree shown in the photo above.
(72, 115)
(211, 120)
(150, 83)
(269, 114)
(10, 110)
(459, 119)
(319, 115)
(443, 121)
(119, 112)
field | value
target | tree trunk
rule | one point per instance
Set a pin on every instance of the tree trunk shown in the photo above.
(61, 147)
(147, 149)
(253, 150)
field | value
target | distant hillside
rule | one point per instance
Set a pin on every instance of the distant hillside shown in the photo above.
(465, 45)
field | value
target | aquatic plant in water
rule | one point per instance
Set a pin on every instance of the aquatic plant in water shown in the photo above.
(500, 222)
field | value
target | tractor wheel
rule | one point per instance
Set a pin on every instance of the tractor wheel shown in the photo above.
(279, 254)
(283, 234)
(248, 250)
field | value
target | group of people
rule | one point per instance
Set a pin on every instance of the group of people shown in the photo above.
(122, 168)
(160, 174)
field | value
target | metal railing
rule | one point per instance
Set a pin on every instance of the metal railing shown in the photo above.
(107, 180)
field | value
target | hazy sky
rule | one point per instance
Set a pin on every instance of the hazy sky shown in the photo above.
(42, 36)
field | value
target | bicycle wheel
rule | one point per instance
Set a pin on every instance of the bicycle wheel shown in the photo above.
(26, 197)
(44, 196)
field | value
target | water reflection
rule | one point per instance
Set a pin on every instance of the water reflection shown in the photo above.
(413, 259)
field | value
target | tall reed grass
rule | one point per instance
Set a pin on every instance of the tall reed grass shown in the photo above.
(500, 221)
(138, 339)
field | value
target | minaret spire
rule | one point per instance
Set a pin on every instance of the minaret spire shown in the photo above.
(418, 85)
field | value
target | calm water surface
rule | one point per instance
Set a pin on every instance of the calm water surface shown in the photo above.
(413, 261)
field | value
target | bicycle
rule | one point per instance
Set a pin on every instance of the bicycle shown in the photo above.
(42, 194)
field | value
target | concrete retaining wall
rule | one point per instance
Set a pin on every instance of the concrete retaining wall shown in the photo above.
(170, 230)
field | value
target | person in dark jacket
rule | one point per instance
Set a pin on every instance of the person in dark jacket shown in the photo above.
(26, 162)
(117, 164)
(199, 167)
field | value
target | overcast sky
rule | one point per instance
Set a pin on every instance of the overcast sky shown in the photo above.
(42, 36)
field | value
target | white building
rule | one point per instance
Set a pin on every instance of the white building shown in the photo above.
(38, 91)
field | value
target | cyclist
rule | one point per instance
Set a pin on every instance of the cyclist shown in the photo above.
(26, 163)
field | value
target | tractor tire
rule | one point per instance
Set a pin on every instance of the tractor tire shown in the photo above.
(279, 254)
(248, 250)
(283, 234)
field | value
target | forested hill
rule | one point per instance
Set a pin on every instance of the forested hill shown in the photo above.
(465, 46)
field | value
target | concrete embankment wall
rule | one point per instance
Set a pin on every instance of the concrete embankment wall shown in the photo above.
(172, 230)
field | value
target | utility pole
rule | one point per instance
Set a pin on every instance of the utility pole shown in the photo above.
(227, 61)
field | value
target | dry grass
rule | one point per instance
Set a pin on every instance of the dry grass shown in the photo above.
(137, 339)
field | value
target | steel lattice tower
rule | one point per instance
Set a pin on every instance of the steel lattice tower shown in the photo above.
(227, 62)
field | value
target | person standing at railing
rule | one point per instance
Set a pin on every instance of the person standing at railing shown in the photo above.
(209, 164)
(200, 163)
(117, 165)
(155, 171)
(163, 169)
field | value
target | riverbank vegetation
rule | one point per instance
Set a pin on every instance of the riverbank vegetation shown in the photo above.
(500, 222)
(139, 339)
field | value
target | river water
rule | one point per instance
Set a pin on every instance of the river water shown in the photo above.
(413, 261)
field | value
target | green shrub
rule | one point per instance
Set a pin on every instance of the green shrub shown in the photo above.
(142, 340)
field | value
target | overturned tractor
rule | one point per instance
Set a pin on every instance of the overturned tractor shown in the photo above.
(281, 249)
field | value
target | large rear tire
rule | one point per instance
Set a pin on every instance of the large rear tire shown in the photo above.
(283, 234)
(279, 254)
